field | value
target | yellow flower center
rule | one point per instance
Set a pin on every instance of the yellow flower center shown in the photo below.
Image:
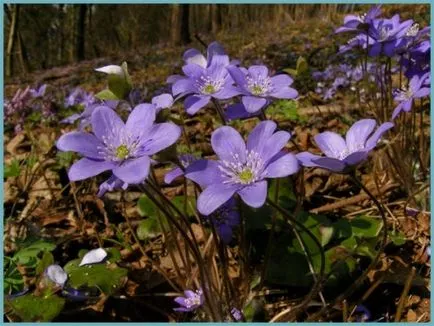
(122, 152)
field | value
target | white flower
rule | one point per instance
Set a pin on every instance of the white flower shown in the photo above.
(112, 70)
(93, 257)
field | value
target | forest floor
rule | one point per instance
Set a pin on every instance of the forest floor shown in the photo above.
(41, 203)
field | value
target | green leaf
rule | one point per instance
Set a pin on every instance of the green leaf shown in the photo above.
(339, 261)
(290, 71)
(128, 80)
(146, 207)
(113, 255)
(342, 229)
(258, 218)
(302, 65)
(106, 94)
(13, 169)
(366, 226)
(326, 234)
(398, 238)
(31, 308)
(29, 255)
(107, 278)
(148, 228)
(120, 85)
(46, 260)
(179, 202)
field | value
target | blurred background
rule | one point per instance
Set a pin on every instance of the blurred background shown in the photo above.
(44, 36)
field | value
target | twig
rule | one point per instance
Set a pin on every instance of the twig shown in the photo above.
(404, 293)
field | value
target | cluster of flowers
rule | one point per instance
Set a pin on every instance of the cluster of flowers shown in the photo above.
(241, 168)
(343, 76)
(26, 102)
(393, 38)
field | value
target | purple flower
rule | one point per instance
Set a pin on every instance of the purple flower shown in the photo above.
(242, 168)
(238, 315)
(190, 301)
(342, 154)
(359, 41)
(39, 92)
(163, 101)
(79, 97)
(353, 23)
(112, 183)
(185, 160)
(225, 219)
(238, 111)
(387, 35)
(202, 84)
(258, 88)
(124, 148)
(196, 57)
(405, 97)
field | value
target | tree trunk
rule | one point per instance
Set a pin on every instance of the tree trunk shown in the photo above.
(11, 39)
(80, 35)
(216, 18)
(179, 22)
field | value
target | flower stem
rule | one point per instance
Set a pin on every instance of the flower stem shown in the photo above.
(374, 262)
(318, 281)
(219, 111)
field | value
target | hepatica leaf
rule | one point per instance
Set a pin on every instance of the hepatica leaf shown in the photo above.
(30, 308)
(106, 277)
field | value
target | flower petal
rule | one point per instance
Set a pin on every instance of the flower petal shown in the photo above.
(141, 119)
(86, 168)
(259, 136)
(93, 257)
(258, 71)
(193, 56)
(133, 171)
(172, 175)
(358, 134)
(281, 80)
(356, 157)
(183, 85)
(81, 142)
(274, 144)
(237, 111)
(306, 159)
(56, 274)
(112, 70)
(161, 136)
(106, 123)
(329, 163)
(285, 93)
(214, 196)
(204, 172)
(226, 92)
(422, 92)
(253, 104)
(225, 233)
(331, 144)
(163, 101)
(194, 103)
(193, 70)
(237, 75)
(255, 194)
(283, 166)
(227, 144)
(373, 140)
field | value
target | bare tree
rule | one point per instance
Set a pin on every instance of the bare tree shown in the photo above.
(14, 9)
